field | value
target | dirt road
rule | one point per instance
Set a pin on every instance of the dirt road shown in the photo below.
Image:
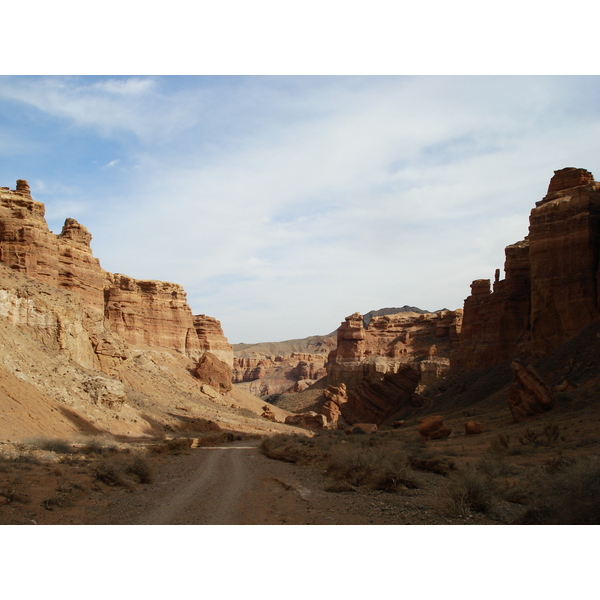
(232, 484)
(214, 494)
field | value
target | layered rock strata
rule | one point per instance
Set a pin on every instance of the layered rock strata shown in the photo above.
(265, 375)
(386, 365)
(140, 312)
(550, 291)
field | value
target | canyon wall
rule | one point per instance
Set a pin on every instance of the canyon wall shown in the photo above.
(386, 366)
(140, 312)
(550, 290)
(263, 375)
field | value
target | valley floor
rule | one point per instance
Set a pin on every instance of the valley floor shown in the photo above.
(528, 472)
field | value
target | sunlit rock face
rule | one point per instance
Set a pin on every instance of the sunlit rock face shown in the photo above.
(139, 312)
(387, 364)
(550, 290)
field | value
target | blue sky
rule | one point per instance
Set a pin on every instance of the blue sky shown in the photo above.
(285, 203)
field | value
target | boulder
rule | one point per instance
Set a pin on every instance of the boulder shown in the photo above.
(268, 414)
(473, 428)
(308, 420)
(213, 371)
(433, 428)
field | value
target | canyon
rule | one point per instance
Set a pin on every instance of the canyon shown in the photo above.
(400, 365)
(134, 349)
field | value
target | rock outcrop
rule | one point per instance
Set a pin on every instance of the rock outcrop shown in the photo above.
(213, 371)
(473, 428)
(529, 394)
(388, 364)
(139, 312)
(550, 291)
(308, 420)
(265, 375)
(151, 313)
(212, 339)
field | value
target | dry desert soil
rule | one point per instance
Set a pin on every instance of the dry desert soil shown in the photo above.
(544, 470)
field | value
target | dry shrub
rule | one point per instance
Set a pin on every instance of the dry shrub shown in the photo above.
(141, 469)
(111, 472)
(301, 449)
(564, 494)
(432, 464)
(493, 466)
(469, 490)
(53, 445)
(382, 468)
(499, 444)
(174, 446)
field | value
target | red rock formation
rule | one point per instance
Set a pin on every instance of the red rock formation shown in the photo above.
(213, 371)
(433, 428)
(308, 420)
(277, 374)
(151, 313)
(550, 291)
(473, 428)
(268, 414)
(394, 357)
(529, 394)
(212, 339)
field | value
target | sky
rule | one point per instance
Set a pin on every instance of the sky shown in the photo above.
(283, 204)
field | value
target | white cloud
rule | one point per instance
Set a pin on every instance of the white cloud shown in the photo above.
(283, 205)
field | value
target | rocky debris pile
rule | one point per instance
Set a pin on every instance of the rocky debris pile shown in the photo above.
(214, 372)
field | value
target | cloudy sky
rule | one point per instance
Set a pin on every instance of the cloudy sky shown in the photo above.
(285, 203)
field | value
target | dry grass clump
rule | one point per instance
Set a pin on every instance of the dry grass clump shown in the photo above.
(53, 445)
(547, 436)
(469, 491)
(301, 449)
(564, 493)
(380, 468)
(174, 446)
(118, 472)
(439, 465)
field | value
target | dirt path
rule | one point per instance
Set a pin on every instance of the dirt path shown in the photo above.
(214, 494)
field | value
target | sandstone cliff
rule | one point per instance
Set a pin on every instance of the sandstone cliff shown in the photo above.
(266, 375)
(150, 313)
(386, 365)
(550, 290)
(91, 351)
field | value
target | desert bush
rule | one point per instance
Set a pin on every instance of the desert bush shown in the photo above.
(174, 446)
(432, 464)
(469, 490)
(379, 468)
(297, 448)
(493, 466)
(112, 473)
(547, 436)
(552, 432)
(141, 469)
(499, 444)
(53, 445)
(569, 495)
